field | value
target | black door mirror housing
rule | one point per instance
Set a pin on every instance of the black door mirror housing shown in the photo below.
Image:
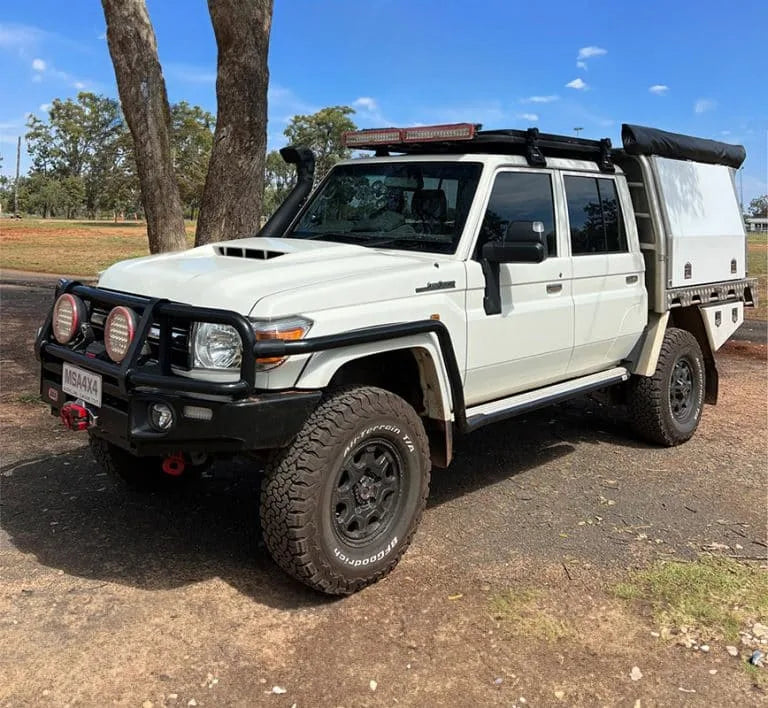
(524, 242)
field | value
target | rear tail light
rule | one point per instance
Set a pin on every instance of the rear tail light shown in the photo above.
(119, 332)
(68, 313)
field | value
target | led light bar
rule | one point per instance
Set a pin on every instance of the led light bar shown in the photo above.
(383, 136)
(430, 133)
(418, 134)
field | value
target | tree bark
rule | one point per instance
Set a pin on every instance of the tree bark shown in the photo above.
(141, 86)
(231, 204)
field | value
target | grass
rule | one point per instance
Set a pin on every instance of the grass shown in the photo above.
(757, 266)
(523, 614)
(72, 247)
(716, 597)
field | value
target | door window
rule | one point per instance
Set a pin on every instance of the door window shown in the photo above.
(519, 196)
(597, 225)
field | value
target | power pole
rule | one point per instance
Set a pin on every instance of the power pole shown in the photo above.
(16, 183)
(577, 131)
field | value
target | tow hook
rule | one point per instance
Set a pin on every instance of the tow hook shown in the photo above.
(174, 465)
(76, 416)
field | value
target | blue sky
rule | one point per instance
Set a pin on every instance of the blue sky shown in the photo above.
(694, 67)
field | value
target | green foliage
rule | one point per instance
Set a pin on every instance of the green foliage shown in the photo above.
(759, 206)
(191, 144)
(83, 160)
(715, 596)
(322, 132)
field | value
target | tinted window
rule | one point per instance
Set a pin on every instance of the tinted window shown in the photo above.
(420, 206)
(520, 196)
(595, 217)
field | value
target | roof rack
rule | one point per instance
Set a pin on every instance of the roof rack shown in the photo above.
(536, 147)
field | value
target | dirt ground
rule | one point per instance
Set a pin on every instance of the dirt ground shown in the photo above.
(108, 597)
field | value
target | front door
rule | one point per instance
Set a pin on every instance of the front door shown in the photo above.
(529, 343)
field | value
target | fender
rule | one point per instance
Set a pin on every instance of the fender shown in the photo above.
(435, 378)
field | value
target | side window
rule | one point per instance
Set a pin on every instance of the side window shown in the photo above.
(519, 196)
(597, 225)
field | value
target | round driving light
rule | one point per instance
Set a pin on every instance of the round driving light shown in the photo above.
(119, 332)
(68, 313)
(161, 416)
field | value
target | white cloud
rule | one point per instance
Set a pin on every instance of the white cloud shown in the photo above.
(581, 65)
(79, 85)
(366, 103)
(591, 51)
(45, 107)
(703, 105)
(20, 38)
(658, 89)
(578, 84)
(39, 65)
(540, 99)
(530, 117)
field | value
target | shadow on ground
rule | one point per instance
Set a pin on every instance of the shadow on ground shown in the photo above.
(72, 517)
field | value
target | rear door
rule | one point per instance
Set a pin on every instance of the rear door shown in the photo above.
(609, 297)
(529, 343)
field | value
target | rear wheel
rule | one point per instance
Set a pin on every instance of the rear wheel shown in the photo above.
(142, 474)
(666, 408)
(341, 504)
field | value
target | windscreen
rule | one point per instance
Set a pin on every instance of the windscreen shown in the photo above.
(413, 206)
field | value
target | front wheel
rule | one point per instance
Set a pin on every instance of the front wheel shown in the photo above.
(340, 505)
(666, 408)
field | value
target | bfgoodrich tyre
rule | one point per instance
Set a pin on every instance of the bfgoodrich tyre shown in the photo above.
(666, 408)
(340, 506)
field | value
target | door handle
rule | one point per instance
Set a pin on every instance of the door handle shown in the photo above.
(553, 288)
(631, 279)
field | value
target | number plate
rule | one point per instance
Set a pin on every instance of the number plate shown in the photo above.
(81, 384)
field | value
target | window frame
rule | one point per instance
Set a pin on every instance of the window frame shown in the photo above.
(558, 204)
(629, 236)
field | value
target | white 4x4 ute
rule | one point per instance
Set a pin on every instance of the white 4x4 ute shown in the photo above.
(471, 277)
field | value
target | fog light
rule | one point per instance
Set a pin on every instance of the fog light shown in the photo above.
(198, 413)
(161, 416)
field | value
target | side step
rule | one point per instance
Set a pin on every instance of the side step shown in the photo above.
(486, 413)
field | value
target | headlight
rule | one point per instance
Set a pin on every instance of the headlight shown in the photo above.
(290, 328)
(216, 346)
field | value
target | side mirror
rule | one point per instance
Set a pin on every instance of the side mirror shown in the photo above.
(524, 242)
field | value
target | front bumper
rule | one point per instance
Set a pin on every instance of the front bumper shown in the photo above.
(262, 421)
(240, 417)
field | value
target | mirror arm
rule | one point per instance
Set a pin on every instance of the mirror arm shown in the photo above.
(492, 296)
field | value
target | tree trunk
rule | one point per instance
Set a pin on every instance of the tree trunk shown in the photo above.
(231, 204)
(141, 86)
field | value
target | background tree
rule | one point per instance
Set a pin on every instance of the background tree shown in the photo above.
(234, 185)
(191, 143)
(322, 132)
(759, 206)
(140, 83)
(279, 178)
